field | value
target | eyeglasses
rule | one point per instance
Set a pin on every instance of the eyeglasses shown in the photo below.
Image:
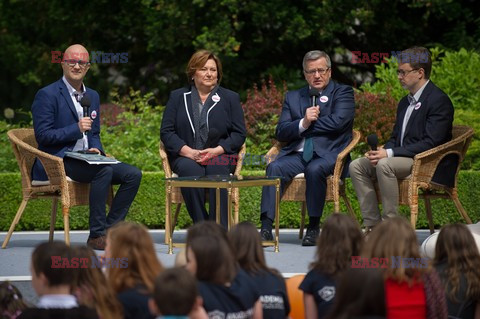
(320, 71)
(402, 73)
(72, 63)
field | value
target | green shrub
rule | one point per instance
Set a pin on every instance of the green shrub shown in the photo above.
(8, 162)
(262, 110)
(374, 114)
(135, 137)
(149, 205)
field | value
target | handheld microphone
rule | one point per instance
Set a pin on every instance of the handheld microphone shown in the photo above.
(372, 140)
(313, 92)
(213, 138)
(85, 103)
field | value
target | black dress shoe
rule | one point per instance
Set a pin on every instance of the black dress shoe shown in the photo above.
(310, 238)
(266, 235)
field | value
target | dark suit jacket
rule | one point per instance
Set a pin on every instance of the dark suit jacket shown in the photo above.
(331, 132)
(55, 122)
(429, 126)
(226, 116)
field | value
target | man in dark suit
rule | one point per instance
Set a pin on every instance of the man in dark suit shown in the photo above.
(60, 126)
(424, 120)
(314, 136)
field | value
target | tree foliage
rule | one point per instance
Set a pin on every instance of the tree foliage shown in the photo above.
(253, 38)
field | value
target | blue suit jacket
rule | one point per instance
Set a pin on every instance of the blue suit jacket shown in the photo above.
(55, 122)
(429, 126)
(226, 116)
(331, 132)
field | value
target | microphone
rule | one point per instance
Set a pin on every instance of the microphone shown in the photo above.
(313, 92)
(85, 103)
(213, 138)
(372, 140)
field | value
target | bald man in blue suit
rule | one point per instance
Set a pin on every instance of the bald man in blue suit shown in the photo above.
(60, 126)
(314, 136)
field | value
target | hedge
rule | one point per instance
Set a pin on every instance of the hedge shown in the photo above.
(149, 205)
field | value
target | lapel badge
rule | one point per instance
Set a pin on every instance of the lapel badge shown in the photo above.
(324, 99)
(93, 115)
(417, 106)
(216, 98)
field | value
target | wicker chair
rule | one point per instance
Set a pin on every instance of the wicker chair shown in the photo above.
(424, 167)
(176, 194)
(58, 187)
(295, 190)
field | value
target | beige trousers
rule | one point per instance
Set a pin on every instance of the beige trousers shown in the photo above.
(386, 173)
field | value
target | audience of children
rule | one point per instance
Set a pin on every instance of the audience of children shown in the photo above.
(90, 285)
(52, 285)
(176, 296)
(412, 288)
(247, 248)
(134, 283)
(227, 276)
(11, 301)
(457, 262)
(227, 291)
(360, 294)
(339, 240)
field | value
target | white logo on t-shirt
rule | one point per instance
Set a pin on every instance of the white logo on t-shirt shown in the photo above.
(327, 293)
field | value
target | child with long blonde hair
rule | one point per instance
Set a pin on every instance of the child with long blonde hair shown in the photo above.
(134, 283)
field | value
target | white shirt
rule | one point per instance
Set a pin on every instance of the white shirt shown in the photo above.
(82, 144)
(57, 301)
(413, 102)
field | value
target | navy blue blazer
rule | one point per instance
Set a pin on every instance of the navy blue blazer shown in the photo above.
(225, 115)
(55, 122)
(331, 132)
(429, 125)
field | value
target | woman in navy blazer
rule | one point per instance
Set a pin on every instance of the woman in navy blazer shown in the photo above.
(203, 123)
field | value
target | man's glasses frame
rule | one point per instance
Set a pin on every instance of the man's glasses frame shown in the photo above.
(403, 73)
(71, 63)
(319, 71)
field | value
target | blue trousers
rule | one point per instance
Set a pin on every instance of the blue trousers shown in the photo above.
(100, 178)
(287, 167)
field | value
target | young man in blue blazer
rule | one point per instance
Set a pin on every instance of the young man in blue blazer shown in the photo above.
(424, 121)
(60, 126)
(316, 124)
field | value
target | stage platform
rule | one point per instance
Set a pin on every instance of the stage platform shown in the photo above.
(15, 259)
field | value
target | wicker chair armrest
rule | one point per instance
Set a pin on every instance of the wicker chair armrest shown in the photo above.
(166, 165)
(273, 152)
(342, 156)
(425, 163)
(240, 158)
(52, 164)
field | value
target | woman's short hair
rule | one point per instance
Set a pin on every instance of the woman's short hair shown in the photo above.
(198, 60)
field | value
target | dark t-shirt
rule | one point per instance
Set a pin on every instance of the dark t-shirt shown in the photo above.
(234, 301)
(461, 308)
(273, 294)
(135, 303)
(80, 312)
(322, 288)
